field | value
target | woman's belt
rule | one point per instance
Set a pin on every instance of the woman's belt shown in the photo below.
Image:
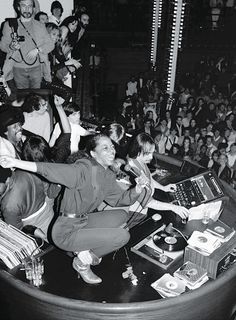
(82, 217)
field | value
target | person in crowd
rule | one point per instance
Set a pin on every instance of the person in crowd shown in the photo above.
(217, 138)
(88, 183)
(199, 111)
(186, 151)
(24, 202)
(41, 17)
(222, 148)
(195, 137)
(179, 125)
(186, 133)
(162, 126)
(222, 169)
(186, 120)
(221, 112)
(56, 13)
(37, 119)
(68, 28)
(5, 91)
(191, 103)
(203, 159)
(197, 147)
(131, 88)
(175, 151)
(193, 127)
(210, 145)
(183, 111)
(26, 48)
(210, 112)
(149, 126)
(60, 66)
(168, 119)
(220, 99)
(171, 139)
(79, 36)
(116, 133)
(11, 130)
(232, 156)
(28, 200)
(209, 128)
(73, 113)
(160, 142)
(229, 120)
(183, 96)
(214, 159)
(140, 154)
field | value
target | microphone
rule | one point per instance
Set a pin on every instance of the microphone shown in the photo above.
(127, 168)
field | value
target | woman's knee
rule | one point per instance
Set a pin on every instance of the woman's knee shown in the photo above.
(121, 237)
(122, 215)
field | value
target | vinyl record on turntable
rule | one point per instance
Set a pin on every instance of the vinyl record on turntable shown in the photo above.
(169, 242)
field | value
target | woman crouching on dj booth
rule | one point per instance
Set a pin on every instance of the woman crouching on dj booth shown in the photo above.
(140, 153)
(88, 182)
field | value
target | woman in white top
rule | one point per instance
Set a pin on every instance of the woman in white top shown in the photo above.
(37, 119)
(140, 153)
(72, 111)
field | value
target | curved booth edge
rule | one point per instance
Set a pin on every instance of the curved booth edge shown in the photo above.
(215, 300)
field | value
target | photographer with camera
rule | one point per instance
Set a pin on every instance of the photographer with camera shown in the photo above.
(26, 41)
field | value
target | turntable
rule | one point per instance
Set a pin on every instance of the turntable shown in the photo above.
(163, 247)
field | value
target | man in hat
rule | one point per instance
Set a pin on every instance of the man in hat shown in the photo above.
(11, 131)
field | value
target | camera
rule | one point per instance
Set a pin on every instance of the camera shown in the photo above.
(20, 38)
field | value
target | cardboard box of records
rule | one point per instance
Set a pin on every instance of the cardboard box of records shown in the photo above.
(220, 257)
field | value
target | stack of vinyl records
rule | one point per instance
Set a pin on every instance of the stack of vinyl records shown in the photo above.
(192, 275)
(15, 245)
(205, 243)
(221, 230)
(168, 286)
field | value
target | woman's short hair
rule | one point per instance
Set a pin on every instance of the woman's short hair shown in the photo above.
(68, 20)
(51, 26)
(93, 142)
(36, 148)
(115, 131)
(38, 14)
(70, 108)
(56, 5)
(31, 103)
(142, 142)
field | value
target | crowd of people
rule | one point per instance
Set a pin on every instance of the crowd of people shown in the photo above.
(52, 187)
(198, 122)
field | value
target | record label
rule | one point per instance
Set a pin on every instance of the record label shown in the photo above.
(192, 272)
(171, 285)
(202, 239)
(169, 243)
(170, 240)
(219, 229)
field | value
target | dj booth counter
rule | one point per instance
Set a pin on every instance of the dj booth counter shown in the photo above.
(213, 301)
(216, 300)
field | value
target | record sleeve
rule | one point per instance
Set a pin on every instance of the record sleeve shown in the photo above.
(190, 272)
(206, 243)
(221, 230)
(169, 286)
